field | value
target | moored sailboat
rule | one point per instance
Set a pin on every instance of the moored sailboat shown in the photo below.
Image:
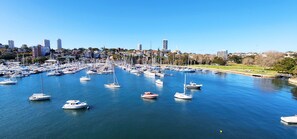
(40, 96)
(183, 95)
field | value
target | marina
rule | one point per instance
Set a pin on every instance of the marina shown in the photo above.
(121, 113)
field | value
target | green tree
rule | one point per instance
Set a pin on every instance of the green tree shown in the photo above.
(219, 60)
(286, 65)
(235, 59)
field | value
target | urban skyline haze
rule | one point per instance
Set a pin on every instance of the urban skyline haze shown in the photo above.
(200, 26)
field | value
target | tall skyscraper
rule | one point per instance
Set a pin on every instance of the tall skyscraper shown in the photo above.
(47, 43)
(140, 46)
(59, 44)
(10, 44)
(165, 44)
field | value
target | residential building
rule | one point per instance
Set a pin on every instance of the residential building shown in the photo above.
(223, 54)
(10, 44)
(165, 44)
(47, 43)
(59, 44)
(36, 51)
(140, 47)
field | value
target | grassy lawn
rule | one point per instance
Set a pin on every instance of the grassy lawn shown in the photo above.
(240, 68)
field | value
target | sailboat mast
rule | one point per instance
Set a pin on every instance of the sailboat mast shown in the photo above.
(185, 83)
(42, 90)
(114, 80)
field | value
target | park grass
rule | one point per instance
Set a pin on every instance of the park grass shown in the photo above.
(240, 69)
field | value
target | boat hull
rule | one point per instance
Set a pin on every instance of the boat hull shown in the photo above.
(76, 107)
(39, 97)
(193, 87)
(149, 96)
(289, 119)
(183, 96)
(112, 85)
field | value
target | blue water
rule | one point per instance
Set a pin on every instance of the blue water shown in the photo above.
(239, 106)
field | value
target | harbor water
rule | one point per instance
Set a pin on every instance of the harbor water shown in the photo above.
(227, 106)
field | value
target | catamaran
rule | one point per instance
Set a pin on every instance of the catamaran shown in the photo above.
(40, 96)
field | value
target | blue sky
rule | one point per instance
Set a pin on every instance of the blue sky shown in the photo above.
(200, 26)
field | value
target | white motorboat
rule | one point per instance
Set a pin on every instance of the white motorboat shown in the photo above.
(84, 78)
(159, 82)
(68, 72)
(149, 74)
(75, 104)
(115, 83)
(40, 96)
(54, 73)
(193, 85)
(149, 95)
(91, 72)
(8, 82)
(289, 119)
(188, 70)
(160, 75)
(183, 95)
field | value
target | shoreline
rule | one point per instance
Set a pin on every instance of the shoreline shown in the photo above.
(293, 81)
(246, 73)
(237, 72)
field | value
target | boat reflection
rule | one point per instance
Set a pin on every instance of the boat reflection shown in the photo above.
(75, 112)
(270, 85)
(40, 102)
(294, 92)
(149, 100)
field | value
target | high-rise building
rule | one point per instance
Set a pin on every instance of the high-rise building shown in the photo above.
(140, 47)
(59, 44)
(223, 54)
(165, 44)
(36, 51)
(10, 44)
(47, 43)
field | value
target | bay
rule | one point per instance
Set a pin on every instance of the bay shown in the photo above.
(227, 106)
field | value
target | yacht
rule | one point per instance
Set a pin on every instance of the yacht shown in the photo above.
(183, 95)
(40, 96)
(193, 85)
(8, 82)
(112, 85)
(54, 73)
(289, 119)
(149, 74)
(91, 72)
(149, 95)
(75, 104)
(115, 83)
(159, 82)
(84, 78)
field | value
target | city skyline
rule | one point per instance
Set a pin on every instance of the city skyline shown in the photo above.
(191, 26)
